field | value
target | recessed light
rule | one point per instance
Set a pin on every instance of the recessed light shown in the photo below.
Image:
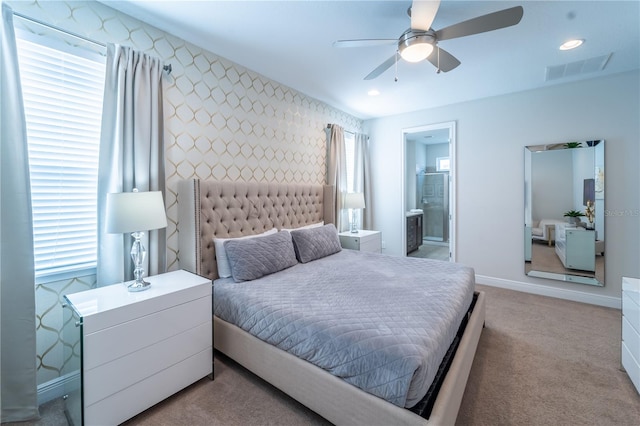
(571, 44)
(373, 92)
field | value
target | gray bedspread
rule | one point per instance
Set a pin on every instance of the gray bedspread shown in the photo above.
(381, 323)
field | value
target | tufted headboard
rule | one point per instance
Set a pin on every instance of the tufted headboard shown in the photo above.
(208, 209)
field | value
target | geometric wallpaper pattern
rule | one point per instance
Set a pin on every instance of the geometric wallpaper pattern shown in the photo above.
(50, 339)
(222, 122)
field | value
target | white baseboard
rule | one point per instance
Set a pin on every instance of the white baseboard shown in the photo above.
(560, 293)
(55, 388)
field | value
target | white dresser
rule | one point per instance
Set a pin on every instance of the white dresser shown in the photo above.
(631, 329)
(576, 247)
(362, 240)
(140, 348)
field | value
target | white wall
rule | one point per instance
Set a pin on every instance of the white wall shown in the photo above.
(552, 184)
(491, 134)
(410, 175)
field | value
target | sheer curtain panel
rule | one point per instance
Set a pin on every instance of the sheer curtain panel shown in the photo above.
(361, 177)
(18, 396)
(131, 155)
(337, 174)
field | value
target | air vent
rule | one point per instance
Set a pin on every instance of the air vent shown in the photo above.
(573, 69)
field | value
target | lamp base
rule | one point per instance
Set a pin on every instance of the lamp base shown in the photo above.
(138, 254)
(354, 223)
(141, 285)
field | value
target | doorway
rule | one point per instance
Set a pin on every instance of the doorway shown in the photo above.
(428, 193)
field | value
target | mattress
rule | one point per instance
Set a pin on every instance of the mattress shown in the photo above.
(381, 323)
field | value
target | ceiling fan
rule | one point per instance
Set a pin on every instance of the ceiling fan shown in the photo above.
(420, 41)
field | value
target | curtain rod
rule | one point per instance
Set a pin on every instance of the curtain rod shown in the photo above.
(53, 27)
(345, 130)
(167, 67)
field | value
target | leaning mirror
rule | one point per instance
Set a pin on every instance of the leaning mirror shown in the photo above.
(564, 212)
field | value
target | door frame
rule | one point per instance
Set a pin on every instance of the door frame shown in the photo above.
(453, 179)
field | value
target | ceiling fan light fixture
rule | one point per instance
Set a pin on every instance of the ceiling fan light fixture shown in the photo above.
(415, 47)
(416, 52)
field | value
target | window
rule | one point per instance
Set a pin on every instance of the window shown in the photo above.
(62, 87)
(443, 164)
(350, 150)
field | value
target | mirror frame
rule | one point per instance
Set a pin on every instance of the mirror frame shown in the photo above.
(597, 186)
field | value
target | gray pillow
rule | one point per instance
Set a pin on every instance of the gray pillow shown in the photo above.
(256, 257)
(314, 243)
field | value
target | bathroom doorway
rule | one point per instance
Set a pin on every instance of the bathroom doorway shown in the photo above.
(429, 166)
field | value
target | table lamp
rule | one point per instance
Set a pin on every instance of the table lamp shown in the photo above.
(135, 212)
(354, 201)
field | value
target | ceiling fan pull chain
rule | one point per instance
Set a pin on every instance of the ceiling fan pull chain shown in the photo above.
(438, 53)
(396, 77)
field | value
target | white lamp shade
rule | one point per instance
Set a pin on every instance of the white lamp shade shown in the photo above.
(135, 211)
(354, 200)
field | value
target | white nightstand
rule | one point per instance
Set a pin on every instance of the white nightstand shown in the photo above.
(362, 240)
(140, 348)
(631, 329)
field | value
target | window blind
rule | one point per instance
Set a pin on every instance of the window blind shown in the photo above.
(62, 94)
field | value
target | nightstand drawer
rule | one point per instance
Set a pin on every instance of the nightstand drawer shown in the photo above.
(370, 244)
(125, 404)
(362, 240)
(135, 367)
(131, 336)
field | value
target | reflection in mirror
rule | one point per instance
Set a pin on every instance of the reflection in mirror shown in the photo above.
(564, 212)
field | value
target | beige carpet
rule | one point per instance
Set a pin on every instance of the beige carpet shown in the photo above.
(544, 258)
(540, 361)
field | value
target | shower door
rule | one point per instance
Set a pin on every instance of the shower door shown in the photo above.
(434, 189)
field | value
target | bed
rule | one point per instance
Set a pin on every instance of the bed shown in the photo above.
(209, 210)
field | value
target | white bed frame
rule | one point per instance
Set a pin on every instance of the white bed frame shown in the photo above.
(223, 209)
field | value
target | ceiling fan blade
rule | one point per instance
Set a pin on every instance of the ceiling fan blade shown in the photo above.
(365, 42)
(443, 60)
(423, 13)
(381, 68)
(492, 21)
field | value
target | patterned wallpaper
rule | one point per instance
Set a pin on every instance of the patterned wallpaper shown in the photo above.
(222, 121)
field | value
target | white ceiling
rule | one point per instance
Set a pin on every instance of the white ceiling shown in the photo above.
(291, 42)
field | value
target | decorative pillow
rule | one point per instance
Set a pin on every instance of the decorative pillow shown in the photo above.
(314, 243)
(256, 257)
(313, 225)
(224, 269)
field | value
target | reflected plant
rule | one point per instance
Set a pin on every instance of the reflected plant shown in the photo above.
(573, 213)
(569, 145)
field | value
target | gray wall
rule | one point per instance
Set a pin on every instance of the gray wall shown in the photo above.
(434, 151)
(491, 134)
(552, 184)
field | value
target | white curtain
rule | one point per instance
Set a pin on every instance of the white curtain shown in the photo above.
(361, 178)
(337, 174)
(18, 397)
(131, 155)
